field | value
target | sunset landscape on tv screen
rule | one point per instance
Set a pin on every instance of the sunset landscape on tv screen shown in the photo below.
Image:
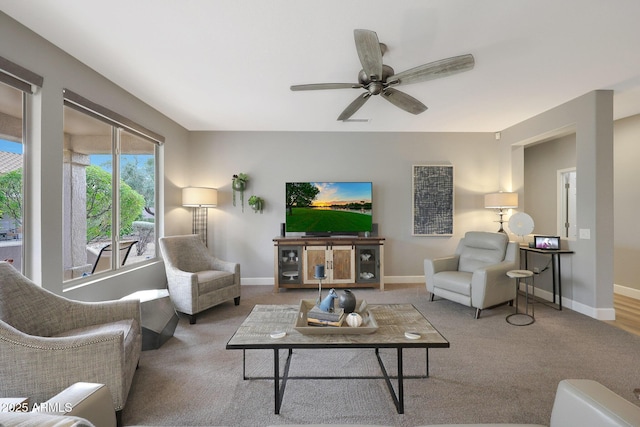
(328, 207)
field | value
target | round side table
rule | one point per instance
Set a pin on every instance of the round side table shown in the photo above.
(517, 318)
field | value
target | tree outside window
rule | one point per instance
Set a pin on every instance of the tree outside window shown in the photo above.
(109, 196)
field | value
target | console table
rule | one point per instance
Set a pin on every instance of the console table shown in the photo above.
(555, 267)
(349, 261)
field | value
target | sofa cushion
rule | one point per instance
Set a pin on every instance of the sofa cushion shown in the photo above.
(212, 280)
(454, 281)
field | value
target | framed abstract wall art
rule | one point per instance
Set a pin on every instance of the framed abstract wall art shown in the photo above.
(432, 194)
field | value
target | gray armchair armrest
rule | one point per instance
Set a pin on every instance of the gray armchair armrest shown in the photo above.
(436, 265)
(492, 285)
(448, 263)
(50, 364)
(588, 403)
(218, 264)
(94, 313)
(65, 314)
(90, 401)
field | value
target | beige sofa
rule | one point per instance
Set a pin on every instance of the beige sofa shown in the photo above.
(579, 403)
(79, 405)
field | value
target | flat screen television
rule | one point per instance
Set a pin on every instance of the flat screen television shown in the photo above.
(328, 208)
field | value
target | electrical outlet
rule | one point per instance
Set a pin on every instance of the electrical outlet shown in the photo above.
(536, 270)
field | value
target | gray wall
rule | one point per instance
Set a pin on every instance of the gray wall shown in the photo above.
(587, 274)
(541, 165)
(273, 158)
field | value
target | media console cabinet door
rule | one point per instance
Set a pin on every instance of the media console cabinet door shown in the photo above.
(338, 261)
(343, 269)
(314, 255)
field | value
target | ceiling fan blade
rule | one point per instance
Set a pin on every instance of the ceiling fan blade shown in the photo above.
(323, 86)
(354, 106)
(402, 100)
(433, 70)
(369, 52)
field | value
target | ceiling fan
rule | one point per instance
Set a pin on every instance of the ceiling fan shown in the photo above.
(379, 79)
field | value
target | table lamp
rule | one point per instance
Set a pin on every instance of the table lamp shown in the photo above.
(501, 201)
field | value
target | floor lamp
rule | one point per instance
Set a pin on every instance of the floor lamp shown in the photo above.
(200, 199)
(501, 201)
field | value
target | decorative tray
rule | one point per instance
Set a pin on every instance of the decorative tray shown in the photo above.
(368, 326)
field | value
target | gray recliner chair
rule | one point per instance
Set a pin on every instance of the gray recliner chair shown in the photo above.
(196, 279)
(476, 274)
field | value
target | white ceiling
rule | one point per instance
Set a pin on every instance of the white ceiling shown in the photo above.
(228, 64)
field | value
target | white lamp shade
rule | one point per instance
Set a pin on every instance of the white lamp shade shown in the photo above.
(501, 200)
(201, 197)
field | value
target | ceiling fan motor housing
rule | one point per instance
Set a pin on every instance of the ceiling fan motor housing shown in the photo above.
(375, 87)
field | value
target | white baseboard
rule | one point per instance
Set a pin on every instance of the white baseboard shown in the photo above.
(268, 281)
(596, 313)
(404, 279)
(263, 281)
(626, 291)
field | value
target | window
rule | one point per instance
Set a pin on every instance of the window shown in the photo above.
(16, 84)
(109, 191)
(11, 176)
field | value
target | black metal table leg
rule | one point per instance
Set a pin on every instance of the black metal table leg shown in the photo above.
(244, 364)
(276, 379)
(426, 351)
(400, 383)
(398, 398)
(277, 387)
(559, 282)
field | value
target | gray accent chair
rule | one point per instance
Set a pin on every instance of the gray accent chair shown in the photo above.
(476, 274)
(48, 342)
(196, 279)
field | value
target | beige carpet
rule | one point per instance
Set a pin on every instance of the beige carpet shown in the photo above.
(493, 371)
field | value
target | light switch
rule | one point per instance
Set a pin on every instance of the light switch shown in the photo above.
(585, 233)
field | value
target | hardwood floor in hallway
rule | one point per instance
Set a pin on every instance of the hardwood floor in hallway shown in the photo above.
(627, 313)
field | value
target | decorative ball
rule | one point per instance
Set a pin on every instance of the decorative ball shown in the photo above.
(354, 320)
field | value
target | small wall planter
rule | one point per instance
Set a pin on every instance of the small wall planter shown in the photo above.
(256, 203)
(239, 184)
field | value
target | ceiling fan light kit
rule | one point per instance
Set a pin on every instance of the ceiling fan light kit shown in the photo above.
(378, 78)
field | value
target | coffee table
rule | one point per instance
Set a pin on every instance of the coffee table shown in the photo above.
(393, 321)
